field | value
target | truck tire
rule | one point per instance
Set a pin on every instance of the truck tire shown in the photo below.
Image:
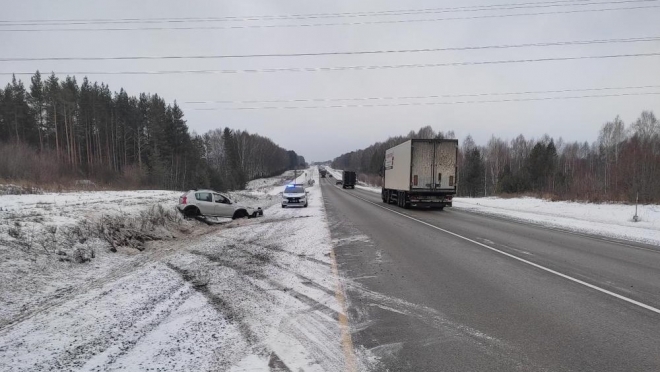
(402, 200)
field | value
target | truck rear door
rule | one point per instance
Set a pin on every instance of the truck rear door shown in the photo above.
(422, 165)
(445, 165)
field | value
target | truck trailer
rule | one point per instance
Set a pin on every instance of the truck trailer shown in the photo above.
(349, 179)
(421, 173)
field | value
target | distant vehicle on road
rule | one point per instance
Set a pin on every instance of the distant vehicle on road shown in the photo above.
(349, 179)
(330, 175)
(323, 172)
(421, 173)
(209, 203)
(339, 182)
(294, 195)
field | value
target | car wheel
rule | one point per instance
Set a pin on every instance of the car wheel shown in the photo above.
(305, 205)
(191, 212)
(283, 206)
(240, 214)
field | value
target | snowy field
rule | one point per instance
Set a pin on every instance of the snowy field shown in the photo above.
(40, 233)
(608, 220)
(250, 295)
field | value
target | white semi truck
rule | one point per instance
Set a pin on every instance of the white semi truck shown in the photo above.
(421, 173)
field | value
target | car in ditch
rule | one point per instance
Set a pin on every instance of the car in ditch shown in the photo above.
(209, 203)
(294, 195)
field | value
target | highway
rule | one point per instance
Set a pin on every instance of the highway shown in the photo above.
(456, 291)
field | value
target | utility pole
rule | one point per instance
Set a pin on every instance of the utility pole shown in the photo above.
(636, 217)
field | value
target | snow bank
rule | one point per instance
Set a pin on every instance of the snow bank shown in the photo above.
(610, 220)
(39, 235)
(266, 185)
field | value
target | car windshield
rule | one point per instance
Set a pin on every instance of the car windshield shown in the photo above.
(294, 190)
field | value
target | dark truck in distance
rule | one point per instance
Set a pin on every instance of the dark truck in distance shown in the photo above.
(349, 178)
(323, 172)
(421, 173)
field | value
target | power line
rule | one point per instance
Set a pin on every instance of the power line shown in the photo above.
(240, 18)
(391, 51)
(160, 28)
(478, 8)
(428, 103)
(345, 68)
(422, 97)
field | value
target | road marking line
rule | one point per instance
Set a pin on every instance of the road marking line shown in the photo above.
(614, 240)
(346, 340)
(575, 280)
(344, 327)
(622, 242)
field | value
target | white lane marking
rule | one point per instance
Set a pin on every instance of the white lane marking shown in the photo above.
(575, 280)
(622, 242)
(560, 229)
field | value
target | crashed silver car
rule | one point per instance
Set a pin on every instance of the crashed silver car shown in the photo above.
(209, 203)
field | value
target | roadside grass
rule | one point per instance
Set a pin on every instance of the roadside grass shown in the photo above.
(156, 223)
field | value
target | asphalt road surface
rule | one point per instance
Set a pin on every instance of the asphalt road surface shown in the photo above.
(457, 291)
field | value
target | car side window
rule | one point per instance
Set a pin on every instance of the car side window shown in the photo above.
(220, 199)
(204, 196)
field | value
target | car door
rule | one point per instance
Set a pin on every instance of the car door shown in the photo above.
(205, 203)
(222, 206)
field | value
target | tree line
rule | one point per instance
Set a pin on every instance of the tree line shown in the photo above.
(621, 164)
(58, 130)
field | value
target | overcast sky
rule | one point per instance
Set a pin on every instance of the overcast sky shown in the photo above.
(324, 133)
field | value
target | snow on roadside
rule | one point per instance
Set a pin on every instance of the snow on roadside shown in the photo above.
(335, 173)
(274, 274)
(610, 220)
(361, 185)
(250, 295)
(40, 233)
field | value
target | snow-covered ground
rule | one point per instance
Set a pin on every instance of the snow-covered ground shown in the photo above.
(40, 233)
(250, 295)
(610, 220)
